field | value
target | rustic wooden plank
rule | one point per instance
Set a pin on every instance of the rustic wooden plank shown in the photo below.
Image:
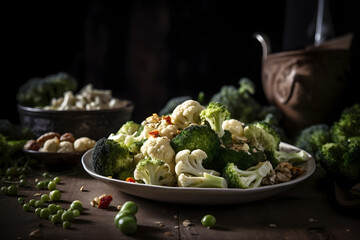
(304, 212)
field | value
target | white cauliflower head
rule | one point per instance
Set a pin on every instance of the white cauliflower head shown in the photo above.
(187, 113)
(159, 148)
(191, 163)
(235, 127)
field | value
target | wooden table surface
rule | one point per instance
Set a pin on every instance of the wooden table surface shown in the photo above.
(304, 212)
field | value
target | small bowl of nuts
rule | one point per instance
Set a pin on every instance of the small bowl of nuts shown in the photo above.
(58, 152)
(90, 112)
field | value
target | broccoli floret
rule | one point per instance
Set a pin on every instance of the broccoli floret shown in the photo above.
(10, 151)
(262, 135)
(250, 178)
(38, 92)
(313, 137)
(215, 114)
(126, 134)
(239, 102)
(172, 104)
(14, 132)
(276, 156)
(242, 159)
(154, 172)
(226, 139)
(348, 125)
(111, 158)
(341, 160)
(198, 137)
(205, 181)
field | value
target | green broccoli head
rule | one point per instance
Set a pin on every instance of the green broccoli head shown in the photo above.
(38, 92)
(129, 128)
(205, 181)
(111, 158)
(313, 137)
(341, 160)
(198, 137)
(154, 172)
(126, 134)
(262, 135)
(215, 114)
(239, 101)
(350, 166)
(279, 156)
(250, 178)
(242, 159)
(348, 125)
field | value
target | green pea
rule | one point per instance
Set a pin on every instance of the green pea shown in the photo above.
(32, 202)
(55, 195)
(38, 210)
(44, 213)
(56, 218)
(66, 224)
(127, 225)
(208, 221)
(21, 200)
(26, 207)
(57, 180)
(67, 216)
(60, 212)
(41, 185)
(59, 207)
(22, 177)
(12, 190)
(4, 190)
(121, 214)
(131, 206)
(53, 209)
(11, 171)
(45, 198)
(38, 203)
(51, 185)
(22, 182)
(76, 212)
(76, 204)
(46, 174)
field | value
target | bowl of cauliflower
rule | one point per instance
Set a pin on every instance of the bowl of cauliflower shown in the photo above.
(91, 112)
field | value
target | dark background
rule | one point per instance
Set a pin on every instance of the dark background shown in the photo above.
(150, 51)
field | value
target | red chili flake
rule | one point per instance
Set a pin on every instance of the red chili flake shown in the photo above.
(105, 201)
(154, 133)
(130, 179)
(167, 119)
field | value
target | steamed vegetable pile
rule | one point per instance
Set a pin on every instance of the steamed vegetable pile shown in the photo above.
(336, 147)
(197, 146)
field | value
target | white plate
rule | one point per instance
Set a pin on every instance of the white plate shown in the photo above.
(203, 196)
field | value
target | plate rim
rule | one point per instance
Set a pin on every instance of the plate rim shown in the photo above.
(311, 166)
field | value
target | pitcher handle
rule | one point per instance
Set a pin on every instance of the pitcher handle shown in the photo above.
(265, 44)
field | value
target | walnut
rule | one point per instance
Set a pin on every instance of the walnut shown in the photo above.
(32, 145)
(46, 136)
(67, 137)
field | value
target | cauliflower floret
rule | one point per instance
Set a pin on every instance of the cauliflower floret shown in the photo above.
(235, 127)
(186, 114)
(65, 147)
(167, 128)
(159, 148)
(83, 144)
(50, 145)
(191, 163)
